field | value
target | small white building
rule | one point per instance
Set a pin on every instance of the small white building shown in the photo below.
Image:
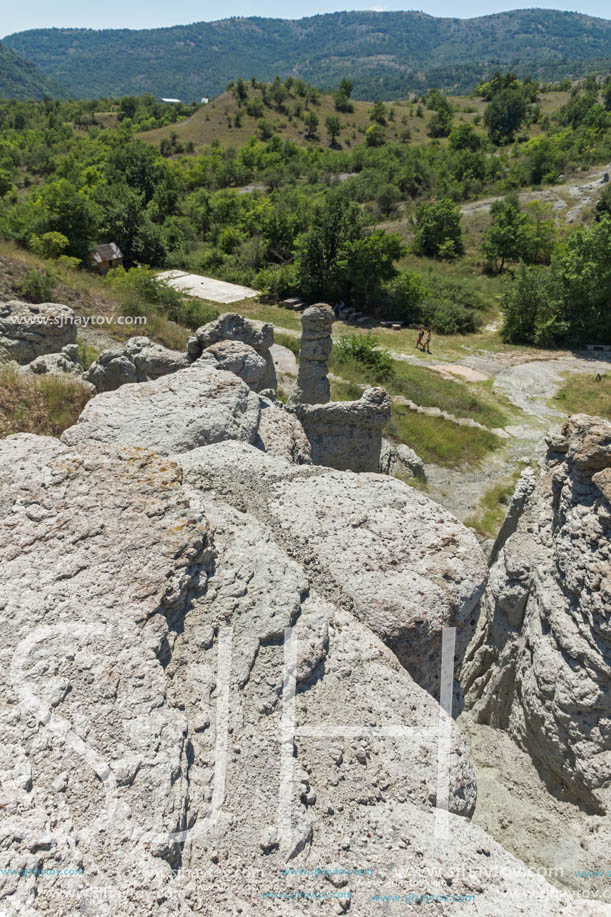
(175, 101)
(204, 100)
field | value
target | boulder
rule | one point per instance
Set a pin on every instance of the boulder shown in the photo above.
(66, 362)
(28, 331)
(175, 413)
(281, 434)
(240, 359)
(152, 746)
(538, 666)
(347, 435)
(399, 460)
(196, 406)
(400, 563)
(140, 360)
(312, 385)
(234, 327)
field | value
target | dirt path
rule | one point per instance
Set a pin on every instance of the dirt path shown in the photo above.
(573, 196)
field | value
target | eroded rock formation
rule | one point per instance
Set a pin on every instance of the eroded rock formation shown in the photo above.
(347, 435)
(234, 327)
(27, 331)
(539, 666)
(193, 407)
(139, 360)
(144, 692)
(66, 362)
(316, 344)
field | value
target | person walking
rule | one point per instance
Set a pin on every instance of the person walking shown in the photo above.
(427, 341)
(420, 336)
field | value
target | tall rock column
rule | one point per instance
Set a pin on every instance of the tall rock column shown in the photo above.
(312, 381)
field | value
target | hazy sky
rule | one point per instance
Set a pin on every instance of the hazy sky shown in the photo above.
(141, 14)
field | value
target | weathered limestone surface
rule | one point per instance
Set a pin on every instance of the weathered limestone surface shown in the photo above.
(193, 407)
(539, 664)
(398, 561)
(137, 601)
(27, 331)
(234, 327)
(240, 359)
(66, 362)
(399, 460)
(347, 435)
(139, 360)
(316, 344)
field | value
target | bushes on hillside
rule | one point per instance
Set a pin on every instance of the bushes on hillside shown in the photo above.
(568, 302)
(438, 230)
(362, 349)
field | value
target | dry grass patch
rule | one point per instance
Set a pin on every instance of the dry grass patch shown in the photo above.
(46, 405)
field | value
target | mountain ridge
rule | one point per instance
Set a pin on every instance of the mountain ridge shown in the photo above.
(385, 54)
(21, 79)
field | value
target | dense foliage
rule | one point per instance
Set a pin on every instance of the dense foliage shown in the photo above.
(20, 79)
(569, 301)
(385, 54)
(294, 218)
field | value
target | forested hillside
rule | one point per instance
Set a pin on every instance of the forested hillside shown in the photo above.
(385, 54)
(20, 79)
(292, 192)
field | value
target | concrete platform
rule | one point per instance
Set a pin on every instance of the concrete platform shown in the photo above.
(207, 287)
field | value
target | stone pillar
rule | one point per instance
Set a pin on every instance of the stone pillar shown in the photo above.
(312, 382)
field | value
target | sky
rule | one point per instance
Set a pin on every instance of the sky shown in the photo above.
(142, 14)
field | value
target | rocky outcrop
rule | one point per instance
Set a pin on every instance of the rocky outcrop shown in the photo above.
(400, 461)
(28, 331)
(401, 564)
(150, 738)
(193, 407)
(316, 344)
(66, 362)
(240, 359)
(140, 360)
(347, 435)
(234, 327)
(539, 664)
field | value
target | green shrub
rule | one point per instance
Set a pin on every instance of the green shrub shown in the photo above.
(362, 349)
(37, 286)
(277, 282)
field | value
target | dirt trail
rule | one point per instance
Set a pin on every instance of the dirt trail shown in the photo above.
(573, 196)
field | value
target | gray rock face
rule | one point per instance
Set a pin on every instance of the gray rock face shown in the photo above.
(195, 406)
(240, 359)
(400, 563)
(234, 327)
(28, 331)
(146, 734)
(281, 434)
(347, 435)
(399, 460)
(316, 344)
(539, 664)
(140, 360)
(58, 364)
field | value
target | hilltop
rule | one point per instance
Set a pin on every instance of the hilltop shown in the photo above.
(21, 79)
(385, 54)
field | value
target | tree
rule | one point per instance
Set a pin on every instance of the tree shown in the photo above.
(438, 230)
(338, 258)
(378, 113)
(531, 310)
(540, 233)
(375, 135)
(342, 97)
(333, 128)
(441, 122)
(311, 125)
(465, 137)
(504, 115)
(506, 237)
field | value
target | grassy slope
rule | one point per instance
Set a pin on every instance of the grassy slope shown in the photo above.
(211, 122)
(583, 394)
